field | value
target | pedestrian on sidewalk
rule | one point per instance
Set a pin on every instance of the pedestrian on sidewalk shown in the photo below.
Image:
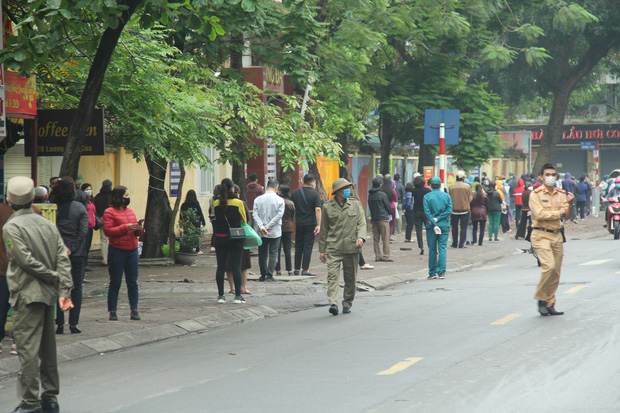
(254, 190)
(408, 211)
(479, 214)
(461, 195)
(268, 212)
(92, 222)
(548, 204)
(5, 212)
(216, 194)
(122, 229)
(191, 202)
(102, 202)
(379, 220)
(400, 195)
(388, 189)
(495, 211)
(229, 213)
(342, 235)
(307, 223)
(420, 190)
(569, 186)
(288, 223)
(438, 210)
(518, 197)
(72, 223)
(582, 196)
(525, 219)
(38, 277)
(246, 259)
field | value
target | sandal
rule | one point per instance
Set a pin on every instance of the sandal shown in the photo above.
(247, 292)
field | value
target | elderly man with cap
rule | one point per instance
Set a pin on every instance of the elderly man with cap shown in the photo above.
(461, 195)
(342, 235)
(38, 276)
(437, 209)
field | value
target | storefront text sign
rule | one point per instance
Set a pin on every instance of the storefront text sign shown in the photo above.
(53, 130)
(603, 132)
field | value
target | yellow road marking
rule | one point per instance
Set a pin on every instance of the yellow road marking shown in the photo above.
(506, 319)
(595, 262)
(575, 289)
(400, 366)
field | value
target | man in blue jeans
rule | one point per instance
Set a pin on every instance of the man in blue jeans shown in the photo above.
(438, 209)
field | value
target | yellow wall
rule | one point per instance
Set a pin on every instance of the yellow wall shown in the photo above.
(123, 169)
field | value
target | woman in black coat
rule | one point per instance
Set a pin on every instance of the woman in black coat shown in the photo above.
(191, 202)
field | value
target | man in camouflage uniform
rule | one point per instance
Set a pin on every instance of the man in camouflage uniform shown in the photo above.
(342, 235)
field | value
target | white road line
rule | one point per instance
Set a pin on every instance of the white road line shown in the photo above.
(595, 262)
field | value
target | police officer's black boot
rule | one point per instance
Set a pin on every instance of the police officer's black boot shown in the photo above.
(542, 307)
(553, 311)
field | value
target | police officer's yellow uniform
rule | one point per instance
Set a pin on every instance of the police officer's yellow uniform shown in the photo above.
(547, 240)
(341, 227)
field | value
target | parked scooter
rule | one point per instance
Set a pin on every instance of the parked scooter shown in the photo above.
(613, 216)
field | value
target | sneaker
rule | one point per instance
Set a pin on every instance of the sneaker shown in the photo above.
(290, 273)
(442, 276)
(239, 300)
(14, 349)
(221, 299)
(346, 310)
(113, 316)
(432, 277)
(278, 272)
(333, 309)
(135, 315)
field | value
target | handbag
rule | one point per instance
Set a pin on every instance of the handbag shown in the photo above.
(235, 233)
(98, 223)
(252, 239)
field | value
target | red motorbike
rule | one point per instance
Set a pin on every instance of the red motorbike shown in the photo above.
(613, 216)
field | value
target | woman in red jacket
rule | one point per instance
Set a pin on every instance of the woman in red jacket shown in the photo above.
(122, 229)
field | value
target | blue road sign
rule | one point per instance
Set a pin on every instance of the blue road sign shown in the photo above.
(431, 126)
(587, 145)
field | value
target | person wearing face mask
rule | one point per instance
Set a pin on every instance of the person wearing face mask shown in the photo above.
(307, 223)
(122, 229)
(548, 205)
(342, 235)
(92, 212)
(438, 210)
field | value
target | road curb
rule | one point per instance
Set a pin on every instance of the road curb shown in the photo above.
(10, 366)
(381, 283)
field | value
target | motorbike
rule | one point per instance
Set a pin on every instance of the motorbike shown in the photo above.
(613, 216)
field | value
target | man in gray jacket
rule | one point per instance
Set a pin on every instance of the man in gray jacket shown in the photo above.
(380, 220)
(38, 276)
(267, 213)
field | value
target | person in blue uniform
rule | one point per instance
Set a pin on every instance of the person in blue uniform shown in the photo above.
(438, 210)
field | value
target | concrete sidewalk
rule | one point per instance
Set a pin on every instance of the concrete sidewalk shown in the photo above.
(181, 300)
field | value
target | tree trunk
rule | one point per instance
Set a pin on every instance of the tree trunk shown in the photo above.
(568, 78)
(386, 135)
(554, 130)
(173, 215)
(238, 169)
(314, 170)
(90, 94)
(426, 157)
(157, 208)
(345, 169)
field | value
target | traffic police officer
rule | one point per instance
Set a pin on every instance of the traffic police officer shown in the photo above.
(39, 275)
(438, 210)
(548, 204)
(342, 235)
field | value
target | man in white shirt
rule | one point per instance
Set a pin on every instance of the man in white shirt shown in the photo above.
(267, 213)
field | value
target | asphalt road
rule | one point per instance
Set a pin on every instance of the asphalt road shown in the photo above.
(471, 343)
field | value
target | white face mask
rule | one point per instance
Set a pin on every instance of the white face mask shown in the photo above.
(550, 180)
(89, 192)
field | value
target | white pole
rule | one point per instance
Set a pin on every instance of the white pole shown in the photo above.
(442, 154)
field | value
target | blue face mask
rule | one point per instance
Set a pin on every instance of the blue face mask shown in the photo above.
(346, 193)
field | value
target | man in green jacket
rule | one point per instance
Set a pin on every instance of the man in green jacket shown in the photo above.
(39, 275)
(342, 235)
(437, 209)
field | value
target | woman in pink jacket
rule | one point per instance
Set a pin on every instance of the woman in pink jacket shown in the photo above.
(122, 229)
